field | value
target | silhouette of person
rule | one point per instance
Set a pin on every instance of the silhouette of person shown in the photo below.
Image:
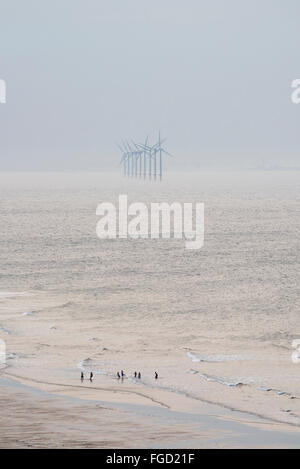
(82, 376)
(135, 374)
(122, 373)
(156, 375)
(118, 375)
(139, 375)
(91, 376)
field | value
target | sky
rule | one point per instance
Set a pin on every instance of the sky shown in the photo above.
(214, 76)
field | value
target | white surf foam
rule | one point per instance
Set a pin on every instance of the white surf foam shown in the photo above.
(225, 381)
(277, 391)
(28, 313)
(216, 358)
(89, 365)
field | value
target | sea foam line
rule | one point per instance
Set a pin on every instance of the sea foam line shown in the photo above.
(216, 358)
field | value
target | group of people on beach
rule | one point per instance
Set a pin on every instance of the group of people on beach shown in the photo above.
(137, 375)
(120, 375)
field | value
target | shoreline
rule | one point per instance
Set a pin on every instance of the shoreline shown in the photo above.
(202, 425)
(130, 392)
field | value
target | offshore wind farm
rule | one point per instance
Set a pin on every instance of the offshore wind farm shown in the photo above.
(142, 160)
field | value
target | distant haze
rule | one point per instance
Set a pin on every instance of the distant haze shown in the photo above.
(213, 75)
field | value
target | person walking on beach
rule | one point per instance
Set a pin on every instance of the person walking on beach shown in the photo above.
(82, 376)
(122, 373)
(156, 375)
(139, 375)
(118, 375)
(91, 376)
(135, 374)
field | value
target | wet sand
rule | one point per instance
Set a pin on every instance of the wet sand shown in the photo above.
(35, 418)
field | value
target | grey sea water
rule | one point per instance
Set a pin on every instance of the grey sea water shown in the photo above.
(229, 311)
(48, 241)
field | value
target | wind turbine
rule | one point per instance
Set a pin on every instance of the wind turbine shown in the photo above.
(138, 159)
(123, 159)
(131, 156)
(145, 158)
(137, 154)
(147, 150)
(152, 154)
(161, 150)
(128, 155)
(144, 152)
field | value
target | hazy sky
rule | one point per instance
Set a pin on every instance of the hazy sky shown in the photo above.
(213, 75)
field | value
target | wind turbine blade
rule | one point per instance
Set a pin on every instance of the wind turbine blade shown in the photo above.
(159, 143)
(119, 146)
(130, 149)
(135, 144)
(125, 146)
(145, 147)
(167, 153)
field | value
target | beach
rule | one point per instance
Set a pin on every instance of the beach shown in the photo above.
(217, 324)
(31, 418)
